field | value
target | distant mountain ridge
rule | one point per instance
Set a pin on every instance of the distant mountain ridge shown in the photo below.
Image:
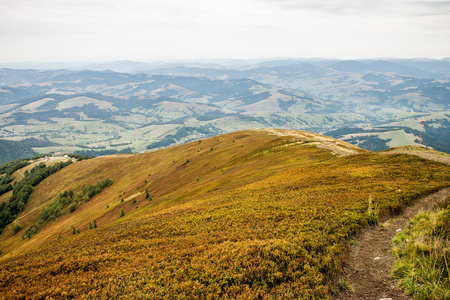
(432, 67)
(103, 109)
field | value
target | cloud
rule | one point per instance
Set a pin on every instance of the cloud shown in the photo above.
(142, 29)
(340, 7)
(433, 8)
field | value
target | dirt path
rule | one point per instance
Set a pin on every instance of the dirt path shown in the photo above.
(370, 264)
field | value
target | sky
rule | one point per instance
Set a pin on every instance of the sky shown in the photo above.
(149, 30)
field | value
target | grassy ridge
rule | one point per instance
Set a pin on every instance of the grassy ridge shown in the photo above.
(244, 215)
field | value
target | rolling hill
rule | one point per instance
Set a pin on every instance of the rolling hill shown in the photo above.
(250, 214)
(90, 111)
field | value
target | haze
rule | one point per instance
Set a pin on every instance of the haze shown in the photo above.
(100, 30)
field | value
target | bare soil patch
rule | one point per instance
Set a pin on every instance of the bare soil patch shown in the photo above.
(338, 147)
(425, 153)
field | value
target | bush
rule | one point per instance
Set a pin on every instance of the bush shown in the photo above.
(93, 224)
(73, 207)
(16, 228)
(30, 232)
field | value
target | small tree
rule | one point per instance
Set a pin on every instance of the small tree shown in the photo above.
(93, 224)
(74, 230)
(122, 213)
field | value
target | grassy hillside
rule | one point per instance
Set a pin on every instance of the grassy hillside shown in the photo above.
(252, 214)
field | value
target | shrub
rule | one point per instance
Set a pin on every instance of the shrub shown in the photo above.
(73, 207)
(30, 232)
(372, 211)
(16, 228)
(93, 224)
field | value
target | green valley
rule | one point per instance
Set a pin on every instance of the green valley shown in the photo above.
(372, 104)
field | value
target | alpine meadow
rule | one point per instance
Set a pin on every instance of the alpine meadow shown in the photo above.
(253, 214)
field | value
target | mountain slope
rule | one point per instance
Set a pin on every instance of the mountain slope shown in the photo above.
(265, 213)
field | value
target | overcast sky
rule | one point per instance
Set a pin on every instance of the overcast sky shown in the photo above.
(145, 30)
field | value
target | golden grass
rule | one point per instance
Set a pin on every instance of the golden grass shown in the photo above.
(244, 215)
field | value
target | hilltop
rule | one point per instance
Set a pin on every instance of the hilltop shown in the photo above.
(256, 213)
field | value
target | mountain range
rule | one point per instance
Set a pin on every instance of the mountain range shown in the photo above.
(371, 103)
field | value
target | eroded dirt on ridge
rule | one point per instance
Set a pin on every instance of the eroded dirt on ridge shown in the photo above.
(337, 147)
(428, 154)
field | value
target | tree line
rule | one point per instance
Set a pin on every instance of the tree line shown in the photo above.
(69, 200)
(23, 189)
